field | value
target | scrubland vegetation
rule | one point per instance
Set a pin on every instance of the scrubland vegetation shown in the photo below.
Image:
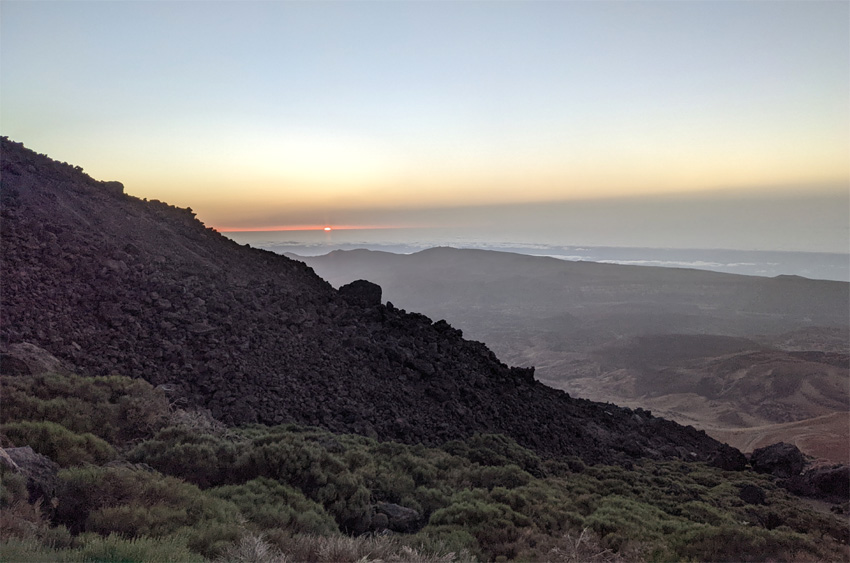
(140, 480)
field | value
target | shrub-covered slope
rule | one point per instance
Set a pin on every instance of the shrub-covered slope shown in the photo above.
(110, 283)
(183, 488)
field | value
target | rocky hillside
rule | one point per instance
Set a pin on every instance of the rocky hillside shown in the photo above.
(110, 283)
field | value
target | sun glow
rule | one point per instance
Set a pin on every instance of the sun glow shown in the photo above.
(325, 228)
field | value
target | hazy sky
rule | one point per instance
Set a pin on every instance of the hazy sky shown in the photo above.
(261, 114)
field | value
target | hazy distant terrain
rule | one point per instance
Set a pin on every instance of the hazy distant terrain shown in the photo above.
(767, 263)
(748, 359)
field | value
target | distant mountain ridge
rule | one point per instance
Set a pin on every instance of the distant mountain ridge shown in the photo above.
(723, 352)
(112, 284)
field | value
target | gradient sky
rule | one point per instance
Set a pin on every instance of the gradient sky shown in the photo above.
(274, 114)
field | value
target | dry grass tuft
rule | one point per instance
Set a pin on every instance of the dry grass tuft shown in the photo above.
(22, 520)
(585, 548)
(253, 549)
(362, 549)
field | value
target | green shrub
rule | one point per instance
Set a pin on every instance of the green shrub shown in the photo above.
(414, 476)
(496, 450)
(211, 539)
(63, 446)
(495, 526)
(115, 408)
(203, 459)
(703, 513)
(545, 503)
(268, 504)
(617, 519)
(298, 461)
(746, 543)
(143, 550)
(135, 503)
(31, 550)
(430, 500)
(13, 487)
(508, 476)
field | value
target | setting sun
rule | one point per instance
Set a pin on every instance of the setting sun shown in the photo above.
(327, 228)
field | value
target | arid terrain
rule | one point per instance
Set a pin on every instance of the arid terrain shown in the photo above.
(749, 360)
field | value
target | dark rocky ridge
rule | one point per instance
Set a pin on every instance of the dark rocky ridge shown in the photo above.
(110, 283)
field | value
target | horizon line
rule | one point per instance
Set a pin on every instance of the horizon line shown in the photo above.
(328, 227)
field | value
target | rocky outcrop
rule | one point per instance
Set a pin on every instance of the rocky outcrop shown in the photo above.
(396, 518)
(40, 471)
(361, 292)
(109, 283)
(729, 459)
(26, 358)
(828, 483)
(781, 460)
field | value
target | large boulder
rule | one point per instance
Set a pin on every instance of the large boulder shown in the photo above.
(362, 292)
(113, 187)
(781, 460)
(398, 518)
(728, 458)
(39, 470)
(829, 483)
(28, 359)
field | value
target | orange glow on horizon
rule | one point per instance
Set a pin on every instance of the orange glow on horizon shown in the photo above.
(303, 228)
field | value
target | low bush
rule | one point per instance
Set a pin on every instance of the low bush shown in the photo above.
(508, 476)
(301, 462)
(63, 446)
(496, 450)
(134, 503)
(494, 525)
(13, 487)
(204, 459)
(270, 505)
(746, 543)
(115, 408)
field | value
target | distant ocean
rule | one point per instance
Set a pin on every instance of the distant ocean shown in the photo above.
(814, 265)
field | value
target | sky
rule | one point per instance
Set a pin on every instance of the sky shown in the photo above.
(701, 123)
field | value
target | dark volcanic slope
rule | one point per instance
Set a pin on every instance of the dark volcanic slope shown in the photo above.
(113, 284)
